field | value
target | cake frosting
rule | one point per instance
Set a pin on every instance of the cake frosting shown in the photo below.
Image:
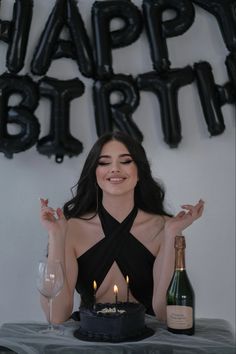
(113, 322)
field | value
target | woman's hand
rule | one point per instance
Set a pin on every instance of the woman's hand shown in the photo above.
(53, 220)
(184, 218)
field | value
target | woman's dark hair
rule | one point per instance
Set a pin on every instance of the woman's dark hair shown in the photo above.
(148, 195)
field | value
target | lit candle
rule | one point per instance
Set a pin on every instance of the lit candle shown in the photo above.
(116, 294)
(94, 293)
(127, 281)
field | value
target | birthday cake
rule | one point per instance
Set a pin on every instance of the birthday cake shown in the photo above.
(124, 321)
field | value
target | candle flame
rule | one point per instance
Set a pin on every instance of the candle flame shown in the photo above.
(94, 285)
(127, 279)
(115, 289)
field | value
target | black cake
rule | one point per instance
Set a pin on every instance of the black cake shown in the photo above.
(124, 321)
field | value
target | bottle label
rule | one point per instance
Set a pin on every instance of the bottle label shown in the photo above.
(179, 317)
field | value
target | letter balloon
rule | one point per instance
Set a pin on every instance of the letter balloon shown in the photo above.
(104, 39)
(211, 98)
(225, 13)
(231, 68)
(165, 86)
(59, 141)
(109, 115)
(20, 115)
(16, 33)
(158, 30)
(50, 46)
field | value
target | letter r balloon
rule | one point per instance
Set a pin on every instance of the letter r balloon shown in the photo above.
(118, 114)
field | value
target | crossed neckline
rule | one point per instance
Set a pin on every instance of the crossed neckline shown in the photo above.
(108, 222)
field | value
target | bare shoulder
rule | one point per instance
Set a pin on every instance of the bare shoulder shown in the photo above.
(81, 221)
(155, 221)
(149, 230)
(78, 226)
(83, 233)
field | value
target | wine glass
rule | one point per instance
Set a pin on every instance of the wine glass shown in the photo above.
(50, 280)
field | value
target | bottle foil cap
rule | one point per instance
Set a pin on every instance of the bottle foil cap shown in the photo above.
(180, 242)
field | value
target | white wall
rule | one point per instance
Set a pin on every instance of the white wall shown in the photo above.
(201, 167)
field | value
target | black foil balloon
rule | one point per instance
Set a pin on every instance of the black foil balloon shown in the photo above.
(59, 141)
(165, 86)
(20, 115)
(225, 13)
(5, 31)
(64, 14)
(211, 98)
(109, 115)
(231, 68)
(159, 30)
(104, 39)
(16, 33)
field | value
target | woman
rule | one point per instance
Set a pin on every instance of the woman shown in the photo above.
(115, 226)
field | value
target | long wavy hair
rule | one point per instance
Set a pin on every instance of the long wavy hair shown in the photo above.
(148, 195)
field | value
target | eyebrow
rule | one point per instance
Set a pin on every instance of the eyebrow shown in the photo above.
(108, 156)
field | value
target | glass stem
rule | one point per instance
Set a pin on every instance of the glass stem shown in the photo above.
(50, 314)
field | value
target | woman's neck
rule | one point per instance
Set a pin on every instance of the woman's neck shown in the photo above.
(118, 206)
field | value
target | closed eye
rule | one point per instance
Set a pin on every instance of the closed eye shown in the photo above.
(101, 163)
(126, 162)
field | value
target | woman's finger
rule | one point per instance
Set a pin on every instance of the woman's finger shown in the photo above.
(60, 213)
(48, 211)
(180, 214)
(44, 202)
(200, 209)
(187, 206)
(200, 202)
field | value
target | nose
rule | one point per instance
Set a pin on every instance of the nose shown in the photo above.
(115, 167)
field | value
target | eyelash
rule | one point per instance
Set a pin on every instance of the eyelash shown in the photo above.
(103, 163)
(100, 163)
(126, 162)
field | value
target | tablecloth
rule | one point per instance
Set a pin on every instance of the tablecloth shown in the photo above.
(212, 336)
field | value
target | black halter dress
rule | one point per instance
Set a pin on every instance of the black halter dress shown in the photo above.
(131, 256)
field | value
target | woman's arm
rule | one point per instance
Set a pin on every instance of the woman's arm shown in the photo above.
(164, 264)
(60, 247)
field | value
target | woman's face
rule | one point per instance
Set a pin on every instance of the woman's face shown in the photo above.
(116, 173)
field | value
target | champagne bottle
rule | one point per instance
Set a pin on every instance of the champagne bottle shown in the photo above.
(180, 295)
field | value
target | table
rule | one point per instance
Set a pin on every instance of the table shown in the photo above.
(213, 336)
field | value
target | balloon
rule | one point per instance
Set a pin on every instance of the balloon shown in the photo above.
(231, 68)
(226, 93)
(21, 114)
(5, 30)
(49, 47)
(210, 97)
(16, 33)
(158, 30)
(118, 114)
(59, 141)
(224, 11)
(165, 85)
(104, 39)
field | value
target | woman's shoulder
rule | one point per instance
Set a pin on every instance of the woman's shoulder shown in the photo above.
(149, 229)
(88, 221)
(83, 233)
(149, 223)
(154, 224)
(144, 217)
